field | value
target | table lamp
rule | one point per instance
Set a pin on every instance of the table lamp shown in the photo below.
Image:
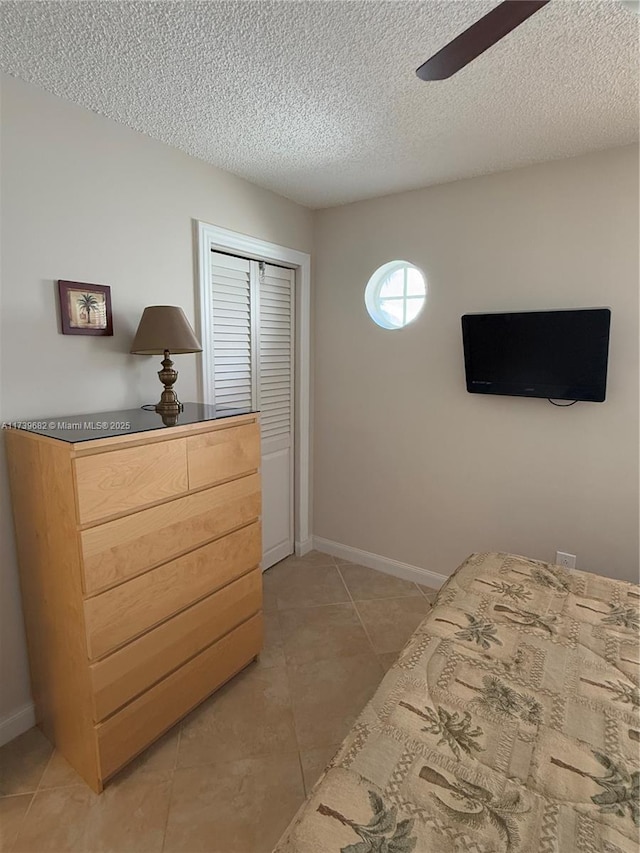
(164, 329)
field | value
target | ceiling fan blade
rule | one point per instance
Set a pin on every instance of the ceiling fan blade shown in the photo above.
(478, 38)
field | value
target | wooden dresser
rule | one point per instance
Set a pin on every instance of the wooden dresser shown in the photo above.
(139, 559)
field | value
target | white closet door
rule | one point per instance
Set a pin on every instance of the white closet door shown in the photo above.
(234, 344)
(253, 311)
(275, 401)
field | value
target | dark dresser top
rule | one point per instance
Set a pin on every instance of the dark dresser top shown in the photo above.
(75, 428)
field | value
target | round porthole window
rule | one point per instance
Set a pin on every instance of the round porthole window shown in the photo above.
(395, 294)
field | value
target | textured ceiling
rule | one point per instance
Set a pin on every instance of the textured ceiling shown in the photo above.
(319, 100)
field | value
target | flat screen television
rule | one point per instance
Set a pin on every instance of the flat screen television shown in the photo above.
(559, 355)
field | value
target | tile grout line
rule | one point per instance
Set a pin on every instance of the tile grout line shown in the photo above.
(434, 592)
(22, 821)
(31, 801)
(351, 600)
(175, 763)
(171, 781)
(278, 611)
(304, 784)
(357, 612)
(79, 784)
(44, 770)
(334, 603)
(33, 796)
(17, 794)
(293, 716)
(308, 606)
(390, 598)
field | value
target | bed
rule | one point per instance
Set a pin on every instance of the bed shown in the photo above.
(510, 722)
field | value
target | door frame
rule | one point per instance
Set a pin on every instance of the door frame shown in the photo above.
(212, 237)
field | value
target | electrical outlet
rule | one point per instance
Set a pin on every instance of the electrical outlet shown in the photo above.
(566, 560)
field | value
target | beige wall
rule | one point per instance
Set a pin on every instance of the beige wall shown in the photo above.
(410, 466)
(86, 199)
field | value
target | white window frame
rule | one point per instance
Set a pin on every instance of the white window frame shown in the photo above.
(374, 286)
(211, 237)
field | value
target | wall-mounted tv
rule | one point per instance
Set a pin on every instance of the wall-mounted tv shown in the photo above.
(558, 355)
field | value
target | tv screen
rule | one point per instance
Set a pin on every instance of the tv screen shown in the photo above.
(559, 355)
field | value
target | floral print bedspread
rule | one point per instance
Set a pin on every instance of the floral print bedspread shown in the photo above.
(509, 723)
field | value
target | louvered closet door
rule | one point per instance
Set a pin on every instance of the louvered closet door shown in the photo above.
(253, 366)
(275, 401)
(234, 345)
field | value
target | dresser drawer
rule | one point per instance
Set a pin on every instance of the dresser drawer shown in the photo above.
(137, 725)
(133, 669)
(121, 613)
(121, 481)
(222, 455)
(120, 549)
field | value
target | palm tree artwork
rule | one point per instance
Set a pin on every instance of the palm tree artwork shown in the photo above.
(477, 808)
(478, 631)
(87, 303)
(628, 694)
(456, 731)
(620, 616)
(499, 696)
(383, 834)
(548, 576)
(621, 789)
(528, 618)
(555, 580)
(514, 591)
(626, 617)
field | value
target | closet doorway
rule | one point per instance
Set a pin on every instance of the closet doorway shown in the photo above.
(251, 359)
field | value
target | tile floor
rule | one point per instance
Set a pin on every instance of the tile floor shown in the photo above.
(230, 777)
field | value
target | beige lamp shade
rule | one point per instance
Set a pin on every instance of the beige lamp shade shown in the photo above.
(164, 327)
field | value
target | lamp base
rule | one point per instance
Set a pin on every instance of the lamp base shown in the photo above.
(169, 406)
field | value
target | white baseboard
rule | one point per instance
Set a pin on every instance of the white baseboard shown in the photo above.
(303, 548)
(17, 723)
(381, 564)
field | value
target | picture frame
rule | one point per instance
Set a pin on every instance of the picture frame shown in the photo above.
(85, 309)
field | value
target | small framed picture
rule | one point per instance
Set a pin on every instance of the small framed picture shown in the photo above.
(85, 309)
